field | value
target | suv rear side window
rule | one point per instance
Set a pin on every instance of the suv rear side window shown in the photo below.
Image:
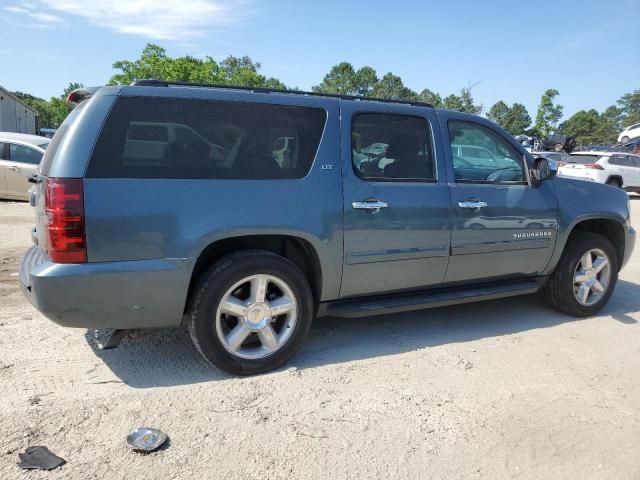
(205, 139)
(480, 155)
(391, 147)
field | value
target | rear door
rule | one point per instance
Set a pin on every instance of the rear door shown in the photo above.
(396, 199)
(502, 226)
(23, 162)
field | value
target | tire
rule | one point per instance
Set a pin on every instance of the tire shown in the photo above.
(614, 182)
(625, 139)
(263, 340)
(560, 291)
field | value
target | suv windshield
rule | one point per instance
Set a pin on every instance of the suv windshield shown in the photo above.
(583, 159)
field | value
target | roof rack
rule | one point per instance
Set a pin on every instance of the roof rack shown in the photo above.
(165, 83)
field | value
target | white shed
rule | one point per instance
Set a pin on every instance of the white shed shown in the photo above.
(15, 115)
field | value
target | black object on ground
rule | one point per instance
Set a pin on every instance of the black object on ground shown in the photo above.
(39, 458)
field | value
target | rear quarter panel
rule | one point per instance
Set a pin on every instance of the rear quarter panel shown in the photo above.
(143, 219)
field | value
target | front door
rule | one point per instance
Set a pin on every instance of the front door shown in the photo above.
(23, 162)
(396, 199)
(502, 227)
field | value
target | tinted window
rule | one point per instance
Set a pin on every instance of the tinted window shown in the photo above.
(23, 154)
(621, 160)
(480, 155)
(213, 139)
(583, 159)
(635, 161)
(391, 147)
(149, 133)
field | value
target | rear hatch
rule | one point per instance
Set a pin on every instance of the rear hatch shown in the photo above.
(578, 164)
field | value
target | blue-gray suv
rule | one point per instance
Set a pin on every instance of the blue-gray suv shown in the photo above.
(243, 214)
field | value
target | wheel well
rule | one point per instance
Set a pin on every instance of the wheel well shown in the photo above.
(615, 177)
(610, 229)
(295, 249)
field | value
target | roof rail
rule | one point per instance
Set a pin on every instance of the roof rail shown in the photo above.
(165, 83)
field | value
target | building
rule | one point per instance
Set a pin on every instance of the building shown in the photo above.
(15, 115)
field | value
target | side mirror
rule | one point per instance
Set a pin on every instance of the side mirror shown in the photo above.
(543, 169)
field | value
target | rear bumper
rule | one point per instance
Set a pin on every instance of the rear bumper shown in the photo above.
(132, 294)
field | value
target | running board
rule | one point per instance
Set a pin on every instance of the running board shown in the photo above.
(437, 298)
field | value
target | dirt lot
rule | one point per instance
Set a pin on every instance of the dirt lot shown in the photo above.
(503, 389)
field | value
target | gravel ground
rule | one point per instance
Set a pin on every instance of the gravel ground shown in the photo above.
(501, 389)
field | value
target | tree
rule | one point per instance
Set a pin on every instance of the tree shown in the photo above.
(53, 112)
(343, 79)
(610, 125)
(583, 125)
(453, 102)
(462, 103)
(390, 87)
(548, 114)
(154, 63)
(630, 108)
(468, 103)
(517, 119)
(498, 112)
(427, 96)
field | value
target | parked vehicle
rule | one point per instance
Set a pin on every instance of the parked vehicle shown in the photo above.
(559, 157)
(629, 133)
(617, 169)
(20, 155)
(557, 142)
(47, 132)
(246, 251)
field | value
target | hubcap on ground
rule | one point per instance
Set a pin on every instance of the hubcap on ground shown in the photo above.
(256, 316)
(592, 276)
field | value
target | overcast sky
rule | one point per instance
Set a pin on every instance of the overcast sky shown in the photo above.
(587, 49)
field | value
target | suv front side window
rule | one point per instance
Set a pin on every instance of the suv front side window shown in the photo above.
(391, 147)
(480, 155)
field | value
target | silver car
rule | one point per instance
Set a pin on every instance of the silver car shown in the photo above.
(20, 155)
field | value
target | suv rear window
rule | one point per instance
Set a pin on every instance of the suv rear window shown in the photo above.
(151, 137)
(583, 159)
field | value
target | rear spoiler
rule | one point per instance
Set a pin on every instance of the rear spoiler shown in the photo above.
(79, 95)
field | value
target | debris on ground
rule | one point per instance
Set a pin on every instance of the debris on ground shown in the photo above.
(39, 458)
(146, 439)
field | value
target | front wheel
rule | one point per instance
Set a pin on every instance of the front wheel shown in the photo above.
(625, 139)
(585, 277)
(250, 312)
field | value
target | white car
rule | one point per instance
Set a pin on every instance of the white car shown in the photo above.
(20, 155)
(619, 169)
(629, 133)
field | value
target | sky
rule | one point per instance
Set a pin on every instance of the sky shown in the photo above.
(512, 51)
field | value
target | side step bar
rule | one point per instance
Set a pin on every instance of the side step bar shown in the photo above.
(407, 302)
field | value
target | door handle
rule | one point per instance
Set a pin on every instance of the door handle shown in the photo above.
(473, 204)
(14, 168)
(372, 206)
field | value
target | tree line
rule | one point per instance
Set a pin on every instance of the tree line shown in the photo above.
(587, 126)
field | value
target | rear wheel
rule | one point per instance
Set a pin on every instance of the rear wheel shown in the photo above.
(625, 139)
(585, 277)
(250, 312)
(614, 182)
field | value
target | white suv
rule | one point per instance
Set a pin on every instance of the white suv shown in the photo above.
(629, 133)
(619, 169)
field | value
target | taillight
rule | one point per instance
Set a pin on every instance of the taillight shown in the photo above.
(594, 166)
(64, 206)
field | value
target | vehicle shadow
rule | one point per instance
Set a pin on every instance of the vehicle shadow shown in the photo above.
(168, 358)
